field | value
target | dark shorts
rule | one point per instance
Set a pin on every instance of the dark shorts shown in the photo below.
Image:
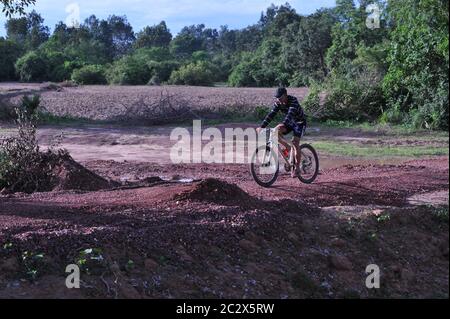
(297, 128)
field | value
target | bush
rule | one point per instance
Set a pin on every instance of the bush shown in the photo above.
(241, 76)
(90, 74)
(23, 167)
(9, 53)
(416, 85)
(162, 70)
(198, 73)
(155, 80)
(260, 69)
(351, 100)
(20, 160)
(54, 62)
(128, 71)
(311, 103)
(42, 66)
(31, 67)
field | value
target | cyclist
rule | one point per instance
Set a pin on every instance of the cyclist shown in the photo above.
(294, 121)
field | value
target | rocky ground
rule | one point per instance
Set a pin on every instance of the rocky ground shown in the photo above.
(212, 238)
(140, 227)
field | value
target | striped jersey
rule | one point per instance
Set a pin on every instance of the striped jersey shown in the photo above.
(294, 112)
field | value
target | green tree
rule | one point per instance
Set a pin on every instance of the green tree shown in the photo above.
(155, 36)
(31, 67)
(9, 53)
(162, 70)
(29, 31)
(194, 38)
(11, 7)
(305, 46)
(197, 73)
(89, 74)
(351, 31)
(416, 85)
(264, 68)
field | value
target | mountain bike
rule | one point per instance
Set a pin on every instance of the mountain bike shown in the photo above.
(265, 163)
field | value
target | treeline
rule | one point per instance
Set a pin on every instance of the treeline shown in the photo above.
(397, 73)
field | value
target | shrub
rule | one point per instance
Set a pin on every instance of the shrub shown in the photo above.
(54, 62)
(155, 80)
(19, 153)
(198, 73)
(311, 103)
(44, 65)
(9, 53)
(158, 54)
(416, 85)
(162, 70)
(90, 74)
(241, 76)
(23, 167)
(31, 67)
(128, 70)
(351, 100)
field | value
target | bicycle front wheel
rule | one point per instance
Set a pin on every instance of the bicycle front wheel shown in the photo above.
(265, 166)
(309, 168)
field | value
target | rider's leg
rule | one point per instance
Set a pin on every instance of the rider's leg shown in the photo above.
(298, 156)
(281, 129)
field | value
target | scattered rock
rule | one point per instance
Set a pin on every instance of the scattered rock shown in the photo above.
(341, 263)
(10, 265)
(443, 248)
(305, 283)
(184, 256)
(338, 242)
(293, 237)
(407, 275)
(127, 291)
(248, 245)
(150, 265)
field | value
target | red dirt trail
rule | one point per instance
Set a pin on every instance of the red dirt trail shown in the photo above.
(249, 243)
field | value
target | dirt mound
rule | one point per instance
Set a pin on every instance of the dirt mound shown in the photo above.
(67, 174)
(216, 191)
(56, 171)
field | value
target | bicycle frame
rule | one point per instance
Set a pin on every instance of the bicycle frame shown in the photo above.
(273, 139)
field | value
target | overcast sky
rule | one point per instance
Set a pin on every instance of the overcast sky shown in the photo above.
(177, 13)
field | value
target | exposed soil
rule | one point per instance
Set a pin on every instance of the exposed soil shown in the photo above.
(205, 231)
(118, 103)
(58, 172)
(219, 192)
(212, 238)
(70, 175)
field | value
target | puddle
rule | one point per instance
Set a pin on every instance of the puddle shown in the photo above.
(181, 180)
(328, 163)
(348, 211)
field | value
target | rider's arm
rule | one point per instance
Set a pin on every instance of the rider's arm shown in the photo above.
(270, 116)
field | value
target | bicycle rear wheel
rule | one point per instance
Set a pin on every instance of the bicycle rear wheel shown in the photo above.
(265, 167)
(309, 168)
